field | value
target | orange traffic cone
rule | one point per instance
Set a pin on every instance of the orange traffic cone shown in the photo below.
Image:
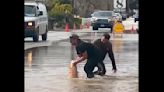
(74, 27)
(132, 30)
(87, 24)
(81, 26)
(67, 27)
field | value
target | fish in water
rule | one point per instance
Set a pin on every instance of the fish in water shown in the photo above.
(72, 70)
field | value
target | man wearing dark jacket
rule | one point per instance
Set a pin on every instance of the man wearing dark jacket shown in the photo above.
(85, 51)
(105, 46)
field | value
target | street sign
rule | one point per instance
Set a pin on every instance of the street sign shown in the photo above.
(119, 4)
(118, 27)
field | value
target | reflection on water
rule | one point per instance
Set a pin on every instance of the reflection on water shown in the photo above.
(91, 85)
(49, 67)
(105, 84)
(116, 45)
(29, 58)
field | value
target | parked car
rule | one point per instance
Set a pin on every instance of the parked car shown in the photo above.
(124, 15)
(102, 19)
(118, 16)
(35, 20)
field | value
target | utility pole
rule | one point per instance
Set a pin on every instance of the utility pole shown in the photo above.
(73, 7)
(72, 47)
(110, 5)
(127, 6)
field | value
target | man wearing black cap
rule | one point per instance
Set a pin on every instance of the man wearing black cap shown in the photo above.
(105, 46)
(85, 51)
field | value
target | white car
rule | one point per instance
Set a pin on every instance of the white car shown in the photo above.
(118, 16)
(102, 19)
(35, 20)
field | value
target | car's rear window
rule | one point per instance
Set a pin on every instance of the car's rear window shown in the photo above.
(103, 14)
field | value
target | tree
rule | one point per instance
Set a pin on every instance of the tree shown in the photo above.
(59, 8)
(59, 11)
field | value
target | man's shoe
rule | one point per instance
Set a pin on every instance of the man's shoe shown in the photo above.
(97, 72)
(102, 74)
(90, 75)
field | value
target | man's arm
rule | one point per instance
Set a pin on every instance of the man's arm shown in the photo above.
(111, 55)
(95, 42)
(82, 57)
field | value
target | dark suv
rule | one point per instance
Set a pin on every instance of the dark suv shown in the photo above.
(102, 19)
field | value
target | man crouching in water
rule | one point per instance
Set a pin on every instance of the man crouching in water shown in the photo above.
(105, 46)
(85, 51)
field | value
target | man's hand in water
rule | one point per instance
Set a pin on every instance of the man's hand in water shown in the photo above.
(74, 62)
(114, 70)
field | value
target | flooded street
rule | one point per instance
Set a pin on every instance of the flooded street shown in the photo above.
(46, 69)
